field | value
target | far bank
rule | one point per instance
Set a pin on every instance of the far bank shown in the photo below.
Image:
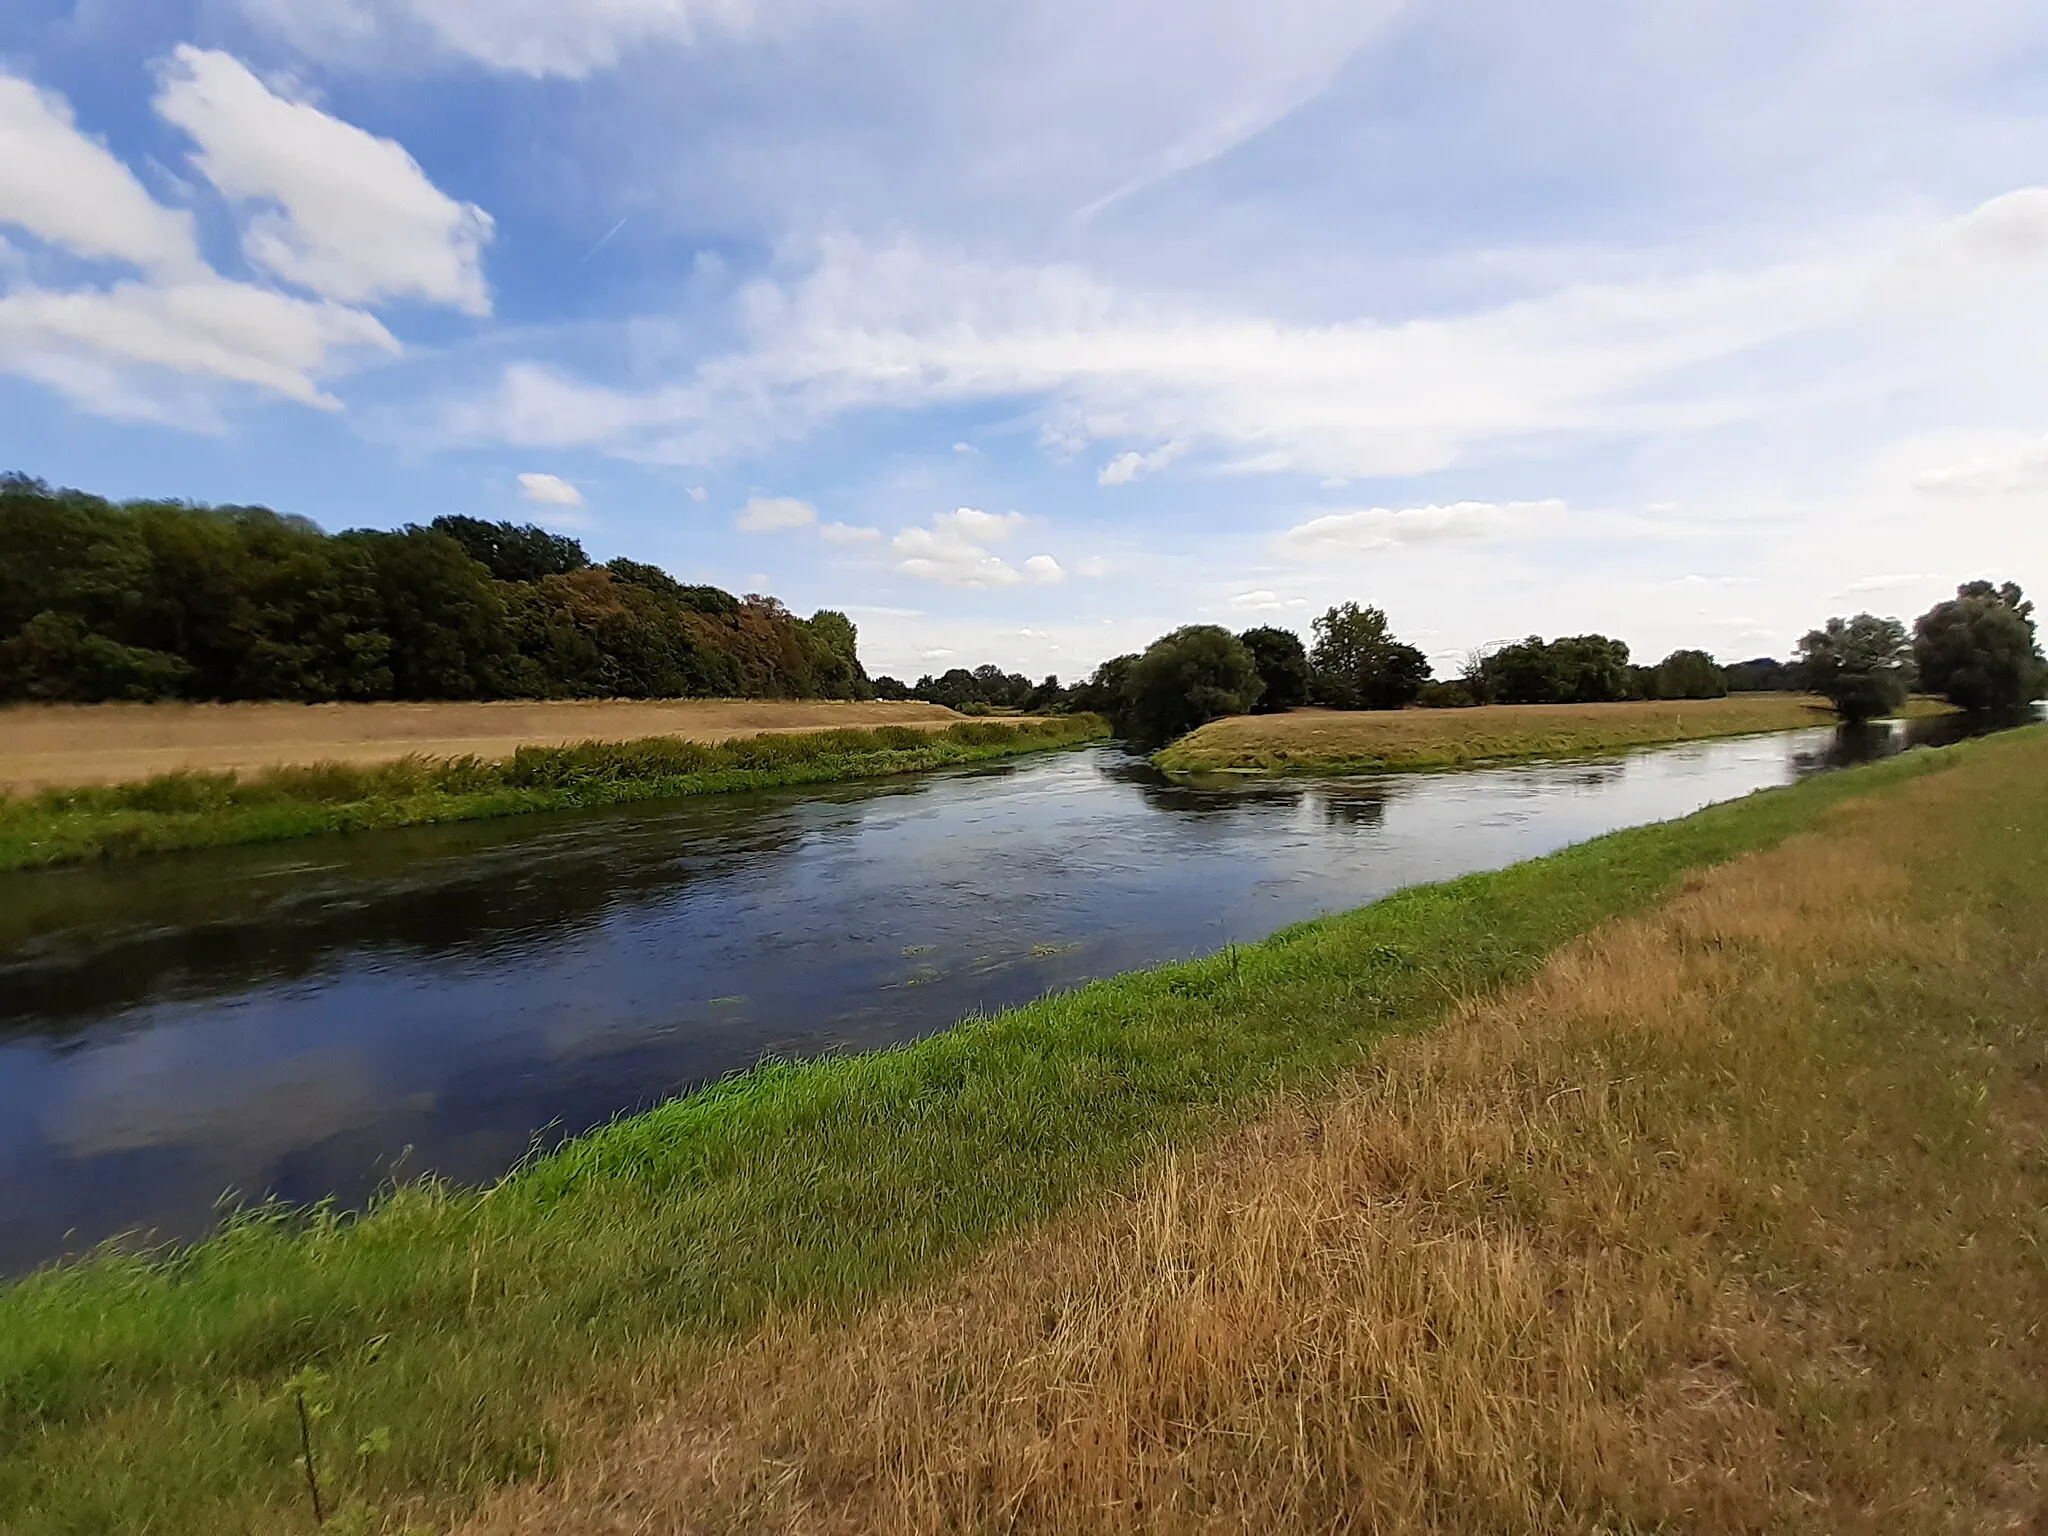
(1329, 741)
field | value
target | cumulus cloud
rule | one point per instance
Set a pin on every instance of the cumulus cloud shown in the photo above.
(68, 189)
(954, 551)
(775, 514)
(846, 533)
(1126, 467)
(549, 490)
(354, 216)
(1372, 528)
(211, 329)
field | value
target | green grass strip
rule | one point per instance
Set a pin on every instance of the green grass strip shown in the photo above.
(148, 1393)
(202, 810)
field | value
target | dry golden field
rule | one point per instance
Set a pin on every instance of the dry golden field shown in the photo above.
(1335, 741)
(53, 745)
(1730, 1220)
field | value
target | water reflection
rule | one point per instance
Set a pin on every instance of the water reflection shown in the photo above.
(306, 1019)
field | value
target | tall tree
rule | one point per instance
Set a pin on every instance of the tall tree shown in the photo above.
(1978, 650)
(1283, 668)
(1863, 666)
(1358, 664)
(1186, 678)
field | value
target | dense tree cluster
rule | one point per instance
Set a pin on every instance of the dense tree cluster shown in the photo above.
(1978, 650)
(986, 687)
(162, 600)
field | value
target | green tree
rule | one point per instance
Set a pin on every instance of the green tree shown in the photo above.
(1863, 666)
(1358, 664)
(1185, 678)
(514, 551)
(1522, 673)
(1591, 669)
(1283, 668)
(1690, 675)
(1103, 693)
(1978, 650)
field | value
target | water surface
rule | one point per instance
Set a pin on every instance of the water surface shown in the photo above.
(314, 1018)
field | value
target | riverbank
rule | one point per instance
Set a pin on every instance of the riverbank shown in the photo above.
(200, 810)
(463, 1340)
(1730, 1219)
(1328, 741)
(63, 746)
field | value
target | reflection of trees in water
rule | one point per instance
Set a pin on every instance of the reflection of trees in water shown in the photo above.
(1875, 739)
(1337, 802)
(1353, 805)
(457, 895)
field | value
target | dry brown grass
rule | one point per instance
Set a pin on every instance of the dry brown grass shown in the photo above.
(1328, 740)
(1731, 1220)
(56, 745)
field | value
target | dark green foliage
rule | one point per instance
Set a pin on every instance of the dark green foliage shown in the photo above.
(892, 688)
(1358, 664)
(1453, 695)
(1761, 674)
(159, 600)
(987, 685)
(1978, 650)
(1103, 693)
(1283, 668)
(1863, 666)
(515, 552)
(1185, 679)
(1690, 675)
(1575, 669)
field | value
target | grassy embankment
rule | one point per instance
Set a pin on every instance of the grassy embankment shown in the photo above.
(1732, 1219)
(1368, 741)
(196, 810)
(470, 1339)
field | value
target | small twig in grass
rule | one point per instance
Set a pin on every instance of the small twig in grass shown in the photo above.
(306, 1445)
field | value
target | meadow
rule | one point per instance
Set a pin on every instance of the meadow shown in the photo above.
(1367, 741)
(486, 1353)
(196, 809)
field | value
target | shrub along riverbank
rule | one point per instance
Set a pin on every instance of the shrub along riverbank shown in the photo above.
(454, 1337)
(1345, 741)
(196, 810)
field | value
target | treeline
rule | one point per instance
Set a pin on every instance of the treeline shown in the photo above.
(165, 600)
(1979, 650)
(978, 691)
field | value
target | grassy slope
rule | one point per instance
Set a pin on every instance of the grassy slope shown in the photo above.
(196, 810)
(141, 1394)
(1731, 1220)
(1329, 741)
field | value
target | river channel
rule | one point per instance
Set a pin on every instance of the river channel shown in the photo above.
(314, 1019)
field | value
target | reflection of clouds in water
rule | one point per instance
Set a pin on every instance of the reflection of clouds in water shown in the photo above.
(150, 1092)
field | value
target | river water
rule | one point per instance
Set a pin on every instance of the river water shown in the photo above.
(315, 1018)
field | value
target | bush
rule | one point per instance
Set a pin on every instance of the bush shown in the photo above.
(1454, 695)
(1185, 679)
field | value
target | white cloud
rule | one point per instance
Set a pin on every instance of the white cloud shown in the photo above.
(1262, 600)
(1883, 583)
(69, 190)
(846, 533)
(355, 219)
(549, 490)
(775, 514)
(1988, 475)
(954, 551)
(1126, 467)
(1371, 528)
(211, 329)
(698, 493)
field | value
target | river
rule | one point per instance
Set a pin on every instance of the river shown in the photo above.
(311, 1019)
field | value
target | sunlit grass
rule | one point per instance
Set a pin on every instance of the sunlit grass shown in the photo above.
(1361, 741)
(195, 810)
(1731, 1219)
(147, 1393)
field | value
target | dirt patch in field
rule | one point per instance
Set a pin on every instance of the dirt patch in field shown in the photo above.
(43, 746)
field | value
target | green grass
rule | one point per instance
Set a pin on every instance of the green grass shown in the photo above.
(148, 1393)
(200, 810)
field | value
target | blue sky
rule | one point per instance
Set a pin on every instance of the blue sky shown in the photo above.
(1024, 333)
